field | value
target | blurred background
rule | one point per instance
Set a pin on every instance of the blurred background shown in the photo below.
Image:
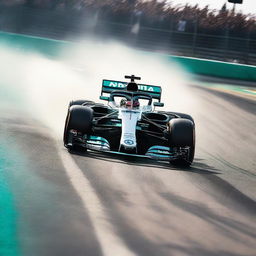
(124, 204)
(170, 27)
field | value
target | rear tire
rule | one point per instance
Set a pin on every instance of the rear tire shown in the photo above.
(182, 134)
(79, 118)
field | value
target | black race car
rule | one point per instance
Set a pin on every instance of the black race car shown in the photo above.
(129, 124)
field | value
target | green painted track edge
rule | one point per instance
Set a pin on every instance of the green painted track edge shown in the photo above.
(9, 245)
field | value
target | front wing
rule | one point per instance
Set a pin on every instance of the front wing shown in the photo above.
(100, 144)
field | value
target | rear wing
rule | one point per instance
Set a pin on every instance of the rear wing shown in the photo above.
(109, 85)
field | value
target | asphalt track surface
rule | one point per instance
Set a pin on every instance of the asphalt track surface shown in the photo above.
(92, 204)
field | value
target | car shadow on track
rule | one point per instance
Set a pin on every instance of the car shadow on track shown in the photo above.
(197, 167)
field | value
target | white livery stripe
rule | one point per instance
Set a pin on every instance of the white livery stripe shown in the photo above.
(110, 243)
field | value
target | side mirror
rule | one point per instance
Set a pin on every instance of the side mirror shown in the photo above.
(104, 98)
(158, 104)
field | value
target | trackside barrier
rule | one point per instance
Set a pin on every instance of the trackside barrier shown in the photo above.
(33, 43)
(217, 68)
(192, 65)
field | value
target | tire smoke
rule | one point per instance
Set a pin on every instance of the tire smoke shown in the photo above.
(43, 86)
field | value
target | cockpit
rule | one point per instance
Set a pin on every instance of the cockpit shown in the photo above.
(131, 100)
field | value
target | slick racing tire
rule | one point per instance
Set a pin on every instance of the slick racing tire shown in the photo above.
(182, 134)
(185, 116)
(81, 102)
(79, 118)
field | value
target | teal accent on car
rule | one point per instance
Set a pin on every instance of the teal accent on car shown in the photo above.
(158, 155)
(98, 139)
(117, 85)
(159, 152)
(138, 128)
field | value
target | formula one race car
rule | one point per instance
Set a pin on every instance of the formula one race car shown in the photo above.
(130, 125)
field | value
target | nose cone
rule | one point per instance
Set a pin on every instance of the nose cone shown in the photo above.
(129, 143)
(128, 146)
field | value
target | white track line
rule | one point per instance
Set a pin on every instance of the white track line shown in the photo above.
(110, 243)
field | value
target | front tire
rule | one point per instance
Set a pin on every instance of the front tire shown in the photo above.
(182, 135)
(79, 118)
(81, 103)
